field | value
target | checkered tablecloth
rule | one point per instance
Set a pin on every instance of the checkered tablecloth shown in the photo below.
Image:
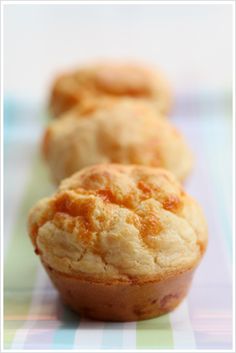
(34, 317)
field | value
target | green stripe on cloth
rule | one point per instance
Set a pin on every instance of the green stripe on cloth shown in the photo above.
(20, 262)
(16, 308)
(154, 334)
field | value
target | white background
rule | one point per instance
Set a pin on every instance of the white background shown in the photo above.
(192, 44)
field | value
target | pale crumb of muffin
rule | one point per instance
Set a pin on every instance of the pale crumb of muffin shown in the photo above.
(124, 131)
(110, 80)
(119, 222)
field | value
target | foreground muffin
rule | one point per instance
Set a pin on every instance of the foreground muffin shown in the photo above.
(90, 84)
(126, 131)
(119, 242)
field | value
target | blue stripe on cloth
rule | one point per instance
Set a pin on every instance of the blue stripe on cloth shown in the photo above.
(9, 111)
(217, 143)
(113, 336)
(64, 336)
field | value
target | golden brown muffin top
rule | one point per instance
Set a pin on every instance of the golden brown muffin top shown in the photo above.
(120, 223)
(126, 131)
(89, 84)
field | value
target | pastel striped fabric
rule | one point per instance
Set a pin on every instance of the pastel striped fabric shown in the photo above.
(34, 317)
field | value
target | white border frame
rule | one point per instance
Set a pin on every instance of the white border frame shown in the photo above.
(117, 2)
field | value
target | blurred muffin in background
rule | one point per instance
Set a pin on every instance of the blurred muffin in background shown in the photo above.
(125, 131)
(88, 84)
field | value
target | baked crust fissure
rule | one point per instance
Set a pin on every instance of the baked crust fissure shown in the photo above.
(119, 223)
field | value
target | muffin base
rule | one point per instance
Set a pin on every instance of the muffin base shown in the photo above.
(121, 301)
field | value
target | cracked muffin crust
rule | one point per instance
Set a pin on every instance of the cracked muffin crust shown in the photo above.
(88, 85)
(119, 223)
(125, 131)
(120, 243)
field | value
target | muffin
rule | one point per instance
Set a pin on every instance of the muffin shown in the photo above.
(88, 85)
(119, 242)
(126, 131)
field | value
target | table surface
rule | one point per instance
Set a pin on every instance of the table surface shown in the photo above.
(35, 318)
